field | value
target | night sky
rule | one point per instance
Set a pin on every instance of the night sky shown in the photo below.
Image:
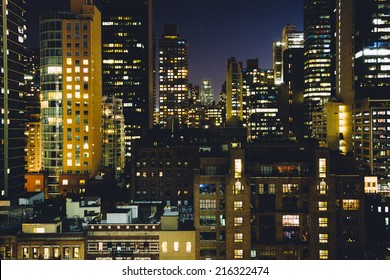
(215, 29)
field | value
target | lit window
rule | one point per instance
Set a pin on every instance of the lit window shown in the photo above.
(238, 253)
(237, 205)
(238, 221)
(261, 188)
(323, 222)
(164, 246)
(76, 252)
(238, 188)
(350, 204)
(65, 182)
(176, 246)
(322, 167)
(238, 237)
(237, 168)
(322, 187)
(323, 238)
(37, 182)
(188, 247)
(39, 230)
(322, 206)
(82, 182)
(290, 220)
(323, 254)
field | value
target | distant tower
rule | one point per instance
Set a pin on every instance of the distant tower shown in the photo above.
(234, 90)
(71, 93)
(12, 122)
(173, 78)
(206, 93)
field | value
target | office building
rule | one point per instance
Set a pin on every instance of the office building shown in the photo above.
(262, 112)
(206, 92)
(128, 62)
(173, 78)
(12, 105)
(234, 90)
(318, 55)
(71, 94)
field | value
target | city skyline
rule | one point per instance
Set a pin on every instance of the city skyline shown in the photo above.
(211, 40)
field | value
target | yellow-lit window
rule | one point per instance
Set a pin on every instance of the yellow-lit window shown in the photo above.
(176, 246)
(323, 222)
(164, 246)
(237, 205)
(238, 237)
(322, 205)
(350, 204)
(238, 188)
(82, 182)
(290, 220)
(323, 254)
(65, 182)
(188, 247)
(237, 168)
(69, 162)
(322, 167)
(323, 238)
(238, 221)
(76, 252)
(39, 230)
(85, 61)
(322, 187)
(238, 253)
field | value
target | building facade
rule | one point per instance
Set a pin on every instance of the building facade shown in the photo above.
(173, 79)
(71, 92)
(12, 105)
(128, 63)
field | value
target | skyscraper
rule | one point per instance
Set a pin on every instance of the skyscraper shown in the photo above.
(71, 93)
(206, 92)
(128, 62)
(319, 58)
(12, 122)
(173, 78)
(234, 90)
(262, 114)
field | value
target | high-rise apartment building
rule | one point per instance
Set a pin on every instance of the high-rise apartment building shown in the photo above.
(173, 78)
(319, 58)
(12, 121)
(71, 93)
(234, 90)
(128, 62)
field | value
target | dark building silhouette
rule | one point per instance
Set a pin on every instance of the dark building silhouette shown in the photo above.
(12, 105)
